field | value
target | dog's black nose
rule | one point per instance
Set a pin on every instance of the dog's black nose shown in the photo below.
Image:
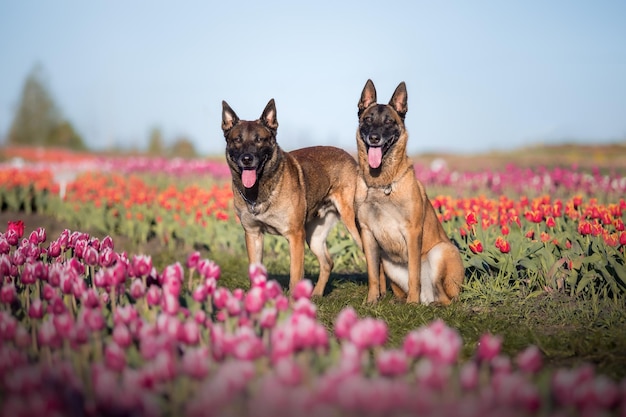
(247, 159)
(374, 139)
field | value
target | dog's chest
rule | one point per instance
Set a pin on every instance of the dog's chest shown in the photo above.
(263, 217)
(386, 217)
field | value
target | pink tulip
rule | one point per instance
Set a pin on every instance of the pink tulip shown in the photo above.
(392, 362)
(121, 335)
(211, 286)
(107, 243)
(529, 360)
(105, 384)
(137, 289)
(220, 297)
(90, 298)
(35, 310)
(208, 269)
(436, 341)
(432, 374)
(102, 278)
(8, 293)
(268, 316)
(63, 324)
(368, 332)
(163, 366)
(468, 376)
(79, 334)
(107, 257)
(114, 357)
(344, 322)
(189, 333)
(257, 274)
(79, 288)
(254, 300)
(46, 333)
(28, 274)
(195, 362)
(19, 257)
(141, 265)
(501, 364)
(172, 275)
(488, 347)
(91, 256)
(153, 296)
(57, 306)
(94, 319)
(200, 293)
(246, 344)
(192, 260)
(304, 306)
(288, 371)
(281, 303)
(170, 303)
(48, 292)
(273, 290)
(8, 326)
(5, 246)
(54, 249)
(303, 289)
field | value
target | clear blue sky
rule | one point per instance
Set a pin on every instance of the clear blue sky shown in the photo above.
(481, 75)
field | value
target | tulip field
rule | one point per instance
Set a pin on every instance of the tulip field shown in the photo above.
(134, 297)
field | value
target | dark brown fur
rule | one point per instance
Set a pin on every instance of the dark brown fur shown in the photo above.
(402, 237)
(298, 195)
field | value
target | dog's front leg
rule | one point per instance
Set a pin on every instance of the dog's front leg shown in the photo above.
(374, 267)
(296, 255)
(254, 245)
(414, 247)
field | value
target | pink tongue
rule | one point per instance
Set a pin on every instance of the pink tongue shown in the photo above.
(374, 157)
(248, 177)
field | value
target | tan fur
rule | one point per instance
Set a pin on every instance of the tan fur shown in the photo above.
(301, 194)
(402, 237)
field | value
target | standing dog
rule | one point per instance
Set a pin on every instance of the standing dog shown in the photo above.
(402, 237)
(299, 195)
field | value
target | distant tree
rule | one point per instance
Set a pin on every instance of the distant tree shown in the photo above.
(65, 136)
(38, 120)
(155, 142)
(183, 148)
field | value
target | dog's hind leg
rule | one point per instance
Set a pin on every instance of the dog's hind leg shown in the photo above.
(345, 207)
(317, 233)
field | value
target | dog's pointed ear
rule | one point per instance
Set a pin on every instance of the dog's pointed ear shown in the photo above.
(368, 96)
(399, 100)
(268, 118)
(229, 118)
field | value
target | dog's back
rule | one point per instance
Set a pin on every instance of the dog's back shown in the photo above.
(328, 172)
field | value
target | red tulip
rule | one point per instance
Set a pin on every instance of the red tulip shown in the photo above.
(476, 246)
(503, 245)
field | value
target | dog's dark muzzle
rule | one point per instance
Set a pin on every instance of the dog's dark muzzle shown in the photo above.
(248, 161)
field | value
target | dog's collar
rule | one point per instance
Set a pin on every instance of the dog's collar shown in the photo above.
(388, 188)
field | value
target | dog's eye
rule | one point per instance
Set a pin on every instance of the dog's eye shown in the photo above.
(258, 139)
(368, 120)
(388, 121)
(237, 139)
